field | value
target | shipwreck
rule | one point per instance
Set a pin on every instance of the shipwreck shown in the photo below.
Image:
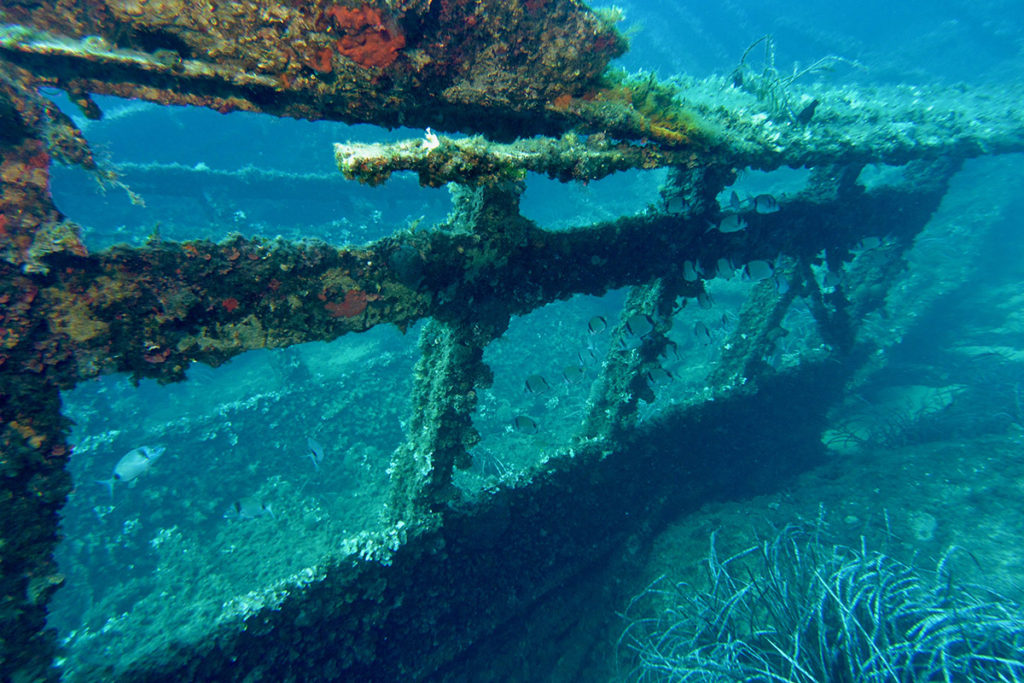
(498, 89)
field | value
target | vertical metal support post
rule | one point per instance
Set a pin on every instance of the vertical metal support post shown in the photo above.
(33, 487)
(441, 429)
(451, 366)
(612, 406)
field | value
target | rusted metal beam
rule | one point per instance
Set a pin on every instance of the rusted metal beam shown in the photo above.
(439, 159)
(33, 487)
(152, 311)
(894, 129)
(456, 65)
(504, 69)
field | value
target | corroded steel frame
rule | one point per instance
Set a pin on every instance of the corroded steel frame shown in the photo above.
(505, 69)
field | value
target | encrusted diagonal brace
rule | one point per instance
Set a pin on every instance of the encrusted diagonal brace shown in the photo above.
(758, 328)
(862, 286)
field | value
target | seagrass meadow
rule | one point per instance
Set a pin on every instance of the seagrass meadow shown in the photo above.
(429, 437)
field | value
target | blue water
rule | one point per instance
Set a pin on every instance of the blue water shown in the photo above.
(241, 430)
(897, 41)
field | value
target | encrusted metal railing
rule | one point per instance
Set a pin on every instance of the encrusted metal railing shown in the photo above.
(498, 68)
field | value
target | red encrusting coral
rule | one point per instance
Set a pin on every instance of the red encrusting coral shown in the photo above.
(354, 304)
(320, 60)
(368, 38)
(40, 160)
(156, 356)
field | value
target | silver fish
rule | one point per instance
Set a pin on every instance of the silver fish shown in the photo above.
(526, 425)
(640, 325)
(765, 204)
(249, 507)
(587, 355)
(732, 223)
(597, 324)
(536, 384)
(867, 244)
(725, 268)
(573, 374)
(758, 270)
(316, 452)
(675, 205)
(132, 464)
(657, 377)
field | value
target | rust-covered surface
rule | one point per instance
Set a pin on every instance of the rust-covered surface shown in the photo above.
(152, 311)
(67, 315)
(452, 64)
(505, 69)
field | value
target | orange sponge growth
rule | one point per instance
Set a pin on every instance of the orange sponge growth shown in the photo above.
(367, 38)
